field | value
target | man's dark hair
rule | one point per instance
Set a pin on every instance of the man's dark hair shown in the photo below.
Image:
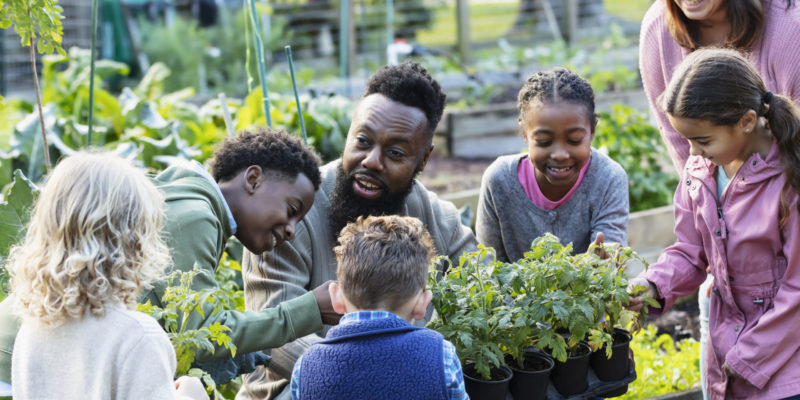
(275, 151)
(410, 84)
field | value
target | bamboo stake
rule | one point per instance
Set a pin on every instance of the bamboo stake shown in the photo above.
(389, 26)
(260, 60)
(296, 96)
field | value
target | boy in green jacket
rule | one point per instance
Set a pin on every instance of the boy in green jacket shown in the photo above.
(263, 184)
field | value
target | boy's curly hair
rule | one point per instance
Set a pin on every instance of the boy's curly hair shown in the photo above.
(383, 261)
(410, 84)
(94, 239)
(275, 151)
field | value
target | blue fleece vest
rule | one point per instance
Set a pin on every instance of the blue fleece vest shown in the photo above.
(385, 358)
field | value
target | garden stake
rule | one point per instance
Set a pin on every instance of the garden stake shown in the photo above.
(260, 60)
(296, 97)
(344, 44)
(226, 114)
(91, 70)
(363, 29)
(389, 26)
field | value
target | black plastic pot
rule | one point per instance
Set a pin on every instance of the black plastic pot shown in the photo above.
(569, 377)
(530, 383)
(616, 367)
(494, 389)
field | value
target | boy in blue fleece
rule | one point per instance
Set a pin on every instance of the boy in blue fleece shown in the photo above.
(375, 352)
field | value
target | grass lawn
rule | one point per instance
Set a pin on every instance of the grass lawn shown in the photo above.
(491, 20)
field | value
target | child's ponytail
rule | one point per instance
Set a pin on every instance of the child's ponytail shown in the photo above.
(783, 118)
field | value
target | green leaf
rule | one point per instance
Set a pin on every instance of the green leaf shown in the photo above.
(15, 211)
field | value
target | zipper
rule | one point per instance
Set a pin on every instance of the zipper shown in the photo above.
(721, 230)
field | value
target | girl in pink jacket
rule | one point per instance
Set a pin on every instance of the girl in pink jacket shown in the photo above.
(736, 210)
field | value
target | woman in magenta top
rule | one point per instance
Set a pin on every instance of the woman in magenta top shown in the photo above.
(769, 30)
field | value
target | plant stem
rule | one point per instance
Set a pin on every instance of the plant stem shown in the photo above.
(39, 103)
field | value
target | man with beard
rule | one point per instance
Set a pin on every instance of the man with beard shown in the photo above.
(388, 144)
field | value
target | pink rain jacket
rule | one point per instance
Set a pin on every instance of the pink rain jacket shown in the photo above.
(754, 320)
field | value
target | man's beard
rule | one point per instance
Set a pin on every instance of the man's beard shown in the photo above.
(347, 206)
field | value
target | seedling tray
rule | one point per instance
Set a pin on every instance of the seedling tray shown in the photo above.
(595, 388)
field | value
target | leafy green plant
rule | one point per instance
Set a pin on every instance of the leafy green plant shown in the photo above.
(179, 302)
(32, 19)
(662, 365)
(471, 311)
(551, 299)
(327, 118)
(207, 56)
(627, 137)
(14, 215)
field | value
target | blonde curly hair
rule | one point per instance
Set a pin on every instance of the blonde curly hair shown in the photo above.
(93, 240)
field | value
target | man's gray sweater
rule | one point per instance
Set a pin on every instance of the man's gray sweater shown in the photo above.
(508, 220)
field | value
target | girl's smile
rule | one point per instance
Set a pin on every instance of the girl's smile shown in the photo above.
(559, 137)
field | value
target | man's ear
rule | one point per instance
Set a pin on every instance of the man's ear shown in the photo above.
(337, 298)
(426, 157)
(253, 178)
(421, 305)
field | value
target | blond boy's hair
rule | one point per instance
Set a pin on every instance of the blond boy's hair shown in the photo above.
(93, 239)
(383, 261)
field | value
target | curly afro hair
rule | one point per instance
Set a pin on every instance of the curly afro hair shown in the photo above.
(275, 151)
(557, 84)
(410, 84)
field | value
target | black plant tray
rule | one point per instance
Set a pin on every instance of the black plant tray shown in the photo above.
(595, 388)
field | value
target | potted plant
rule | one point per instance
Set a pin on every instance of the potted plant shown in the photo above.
(611, 345)
(472, 314)
(531, 366)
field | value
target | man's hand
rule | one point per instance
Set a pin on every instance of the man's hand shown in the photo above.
(637, 294)
(329, 316)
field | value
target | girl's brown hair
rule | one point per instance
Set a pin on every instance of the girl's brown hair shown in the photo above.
(720, 86)
(746, 18)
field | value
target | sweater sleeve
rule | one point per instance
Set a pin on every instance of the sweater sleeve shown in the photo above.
(457, 237)
(774, 339)
(784, 28)
(194, 241)
(611, 216)
(681, 268)
(655, 76)
(487, 225)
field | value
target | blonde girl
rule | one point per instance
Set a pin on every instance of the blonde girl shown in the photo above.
(92, 244)
(736, 211)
